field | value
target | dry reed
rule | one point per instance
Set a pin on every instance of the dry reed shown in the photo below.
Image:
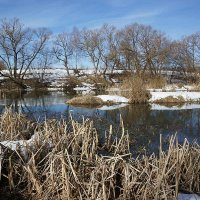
(67, 164)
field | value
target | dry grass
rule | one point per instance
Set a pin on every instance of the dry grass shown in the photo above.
(73, 168)
(171, 99)
(97, 79)
(86, 100)
(155, 82)
(134, 89)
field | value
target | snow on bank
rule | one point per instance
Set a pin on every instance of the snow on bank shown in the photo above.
(173, 88)
(155, 96)
(188, 197)
(14, 145)
(23, 146)
(114, 98)
(187, 96)
(155, 106)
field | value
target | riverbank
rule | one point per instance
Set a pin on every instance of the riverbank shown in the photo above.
(163, 98)
(67, 160)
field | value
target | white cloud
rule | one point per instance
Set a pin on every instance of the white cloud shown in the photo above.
(123, 20)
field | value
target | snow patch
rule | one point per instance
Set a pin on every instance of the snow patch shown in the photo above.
(114, 98)
(176, 107)
(187, 96)
(23, 146)
(86, 88)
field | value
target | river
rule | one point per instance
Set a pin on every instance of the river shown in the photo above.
(145, 122)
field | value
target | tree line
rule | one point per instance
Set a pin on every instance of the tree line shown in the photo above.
(138, 48)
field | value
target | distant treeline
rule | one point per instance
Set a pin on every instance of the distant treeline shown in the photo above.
(135, 47)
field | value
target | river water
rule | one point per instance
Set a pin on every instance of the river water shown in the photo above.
(145, 123)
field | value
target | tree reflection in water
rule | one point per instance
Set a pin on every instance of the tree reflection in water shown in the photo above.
(144, 125)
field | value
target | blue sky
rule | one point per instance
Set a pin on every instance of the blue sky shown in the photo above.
(174, 17)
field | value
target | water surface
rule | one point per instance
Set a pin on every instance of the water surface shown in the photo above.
(145, 123)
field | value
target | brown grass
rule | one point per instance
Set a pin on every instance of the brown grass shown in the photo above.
(155, 82)
(73, 168)
(98, 81)
(171, 99)
(86, 100)
(134, 89)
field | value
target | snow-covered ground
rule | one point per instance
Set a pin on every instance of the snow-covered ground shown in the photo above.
(173, 88)
(114, 98)
(187, 96)
(23, 146)
(175, 107)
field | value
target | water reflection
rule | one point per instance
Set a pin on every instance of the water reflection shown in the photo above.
(144, 124)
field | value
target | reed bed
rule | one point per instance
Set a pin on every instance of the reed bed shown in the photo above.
(66, 160)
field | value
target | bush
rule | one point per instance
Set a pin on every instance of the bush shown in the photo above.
(37, 84)
(99, 81)
(134, 89)
(70, 83)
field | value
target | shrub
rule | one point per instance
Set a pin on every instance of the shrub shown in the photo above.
(70, 83)
(37, 84)
(134, 89)
(99, 81)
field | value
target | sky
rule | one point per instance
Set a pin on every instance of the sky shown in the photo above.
(176, 18)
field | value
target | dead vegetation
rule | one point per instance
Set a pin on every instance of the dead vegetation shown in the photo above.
(135, 90)
(68, 164)
(15, 126)
(175, 100)
(70, 83)
(171, 99)
(98, 80)
(86, 100)
(155, 82)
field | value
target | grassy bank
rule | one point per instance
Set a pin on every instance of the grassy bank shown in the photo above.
(66, 160)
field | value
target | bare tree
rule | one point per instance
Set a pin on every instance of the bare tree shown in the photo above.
(90, 43)
(144, 49)
(191, 46)
(63, 49)
(2, 65)
(110, 55)
(19, 48)
(77, 51)
(42, 65)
